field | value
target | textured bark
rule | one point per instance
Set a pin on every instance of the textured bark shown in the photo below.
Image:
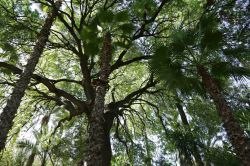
(109, 118)
(235, 133)
(195, 150)
(99, 149)
(8, 114)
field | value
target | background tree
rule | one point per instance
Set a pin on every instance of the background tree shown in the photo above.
(193, 50)
(8, 114)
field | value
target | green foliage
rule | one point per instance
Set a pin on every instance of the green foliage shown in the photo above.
(211, 40)
(148, 129)
(220, 156)
(142, 7)
(122, 16)
(222, 70)
(25, 144)
(89, 35)
(127, 28)
(106, 16)
(183, 38)
(172, 71)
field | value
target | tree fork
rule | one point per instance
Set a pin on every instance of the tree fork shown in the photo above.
(235, 133)
(8, 114)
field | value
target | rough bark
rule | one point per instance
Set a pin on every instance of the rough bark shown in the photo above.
(195, 150)
(8, 114)
(99, 149)
(109, 118)
(235, 133)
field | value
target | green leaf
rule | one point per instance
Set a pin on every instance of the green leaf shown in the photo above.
(6, 71)
(239, 72)
(220, 69)
(88, 34)
(178, 47)
(91, 48)
(122, 16)
(208, 22)
(181, 39)
(240, 53)
(162, 52)
(127, 28)
(144, 6)
(106, 16)
(124, 42)
(212, 40)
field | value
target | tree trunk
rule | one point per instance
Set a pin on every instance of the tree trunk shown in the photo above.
(235, 133)
(31, 158)
(195, 150)
(99, 149)
(109, 118)
(8, 114)
(185, 159)
(148, 159)
(43, 162)
(184, 120)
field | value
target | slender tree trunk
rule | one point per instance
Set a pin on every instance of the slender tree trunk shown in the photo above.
(185, 159)
(31, 158)
(148, 160)
(43, 162)
(109, 118)
(99, 149)
(182, 114)
(8, 114)
(184, 120)
(235, 133)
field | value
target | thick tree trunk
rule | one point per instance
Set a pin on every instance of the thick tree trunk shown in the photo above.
(8, 114)
(99, 149)
(184, 120)
(235, 133)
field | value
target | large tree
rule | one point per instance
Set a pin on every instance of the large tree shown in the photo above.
(10, 110)
(78, 33)
(192, 52)
(92, 91)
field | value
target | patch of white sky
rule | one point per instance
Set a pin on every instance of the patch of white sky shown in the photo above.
(27, 132)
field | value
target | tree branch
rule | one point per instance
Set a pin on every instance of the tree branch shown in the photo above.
(130, 98)
(49, 84)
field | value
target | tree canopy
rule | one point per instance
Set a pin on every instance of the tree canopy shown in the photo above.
(117, 82)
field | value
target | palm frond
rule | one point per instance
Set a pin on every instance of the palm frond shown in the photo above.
(25, 144)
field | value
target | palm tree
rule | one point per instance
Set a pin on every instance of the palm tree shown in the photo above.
(197, 52)
(8, 114)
